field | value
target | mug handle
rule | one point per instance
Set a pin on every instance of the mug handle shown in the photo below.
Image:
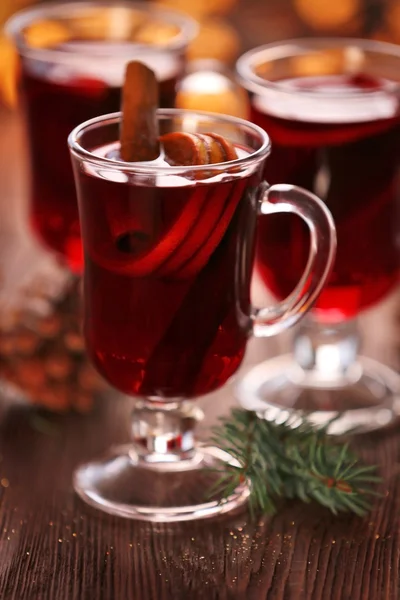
(293, 199)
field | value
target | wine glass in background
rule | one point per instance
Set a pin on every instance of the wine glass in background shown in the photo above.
(73, 57)
(332, 110)
(167, 314)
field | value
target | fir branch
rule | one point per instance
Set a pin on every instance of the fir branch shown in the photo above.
(293, 459)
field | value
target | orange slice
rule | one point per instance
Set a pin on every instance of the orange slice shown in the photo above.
(189, 149)
(202, 256)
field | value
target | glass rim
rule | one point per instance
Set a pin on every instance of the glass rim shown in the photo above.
(285, 48)
(20, 19)
(136, 167)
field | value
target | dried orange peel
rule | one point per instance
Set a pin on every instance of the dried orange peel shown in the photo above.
(189, 149)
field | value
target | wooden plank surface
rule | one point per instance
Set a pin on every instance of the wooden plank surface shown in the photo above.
(52, 546)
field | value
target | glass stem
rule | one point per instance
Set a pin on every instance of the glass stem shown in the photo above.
(326, 354)
(164, 432)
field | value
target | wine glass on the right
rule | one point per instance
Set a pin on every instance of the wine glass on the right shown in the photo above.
(332, 110)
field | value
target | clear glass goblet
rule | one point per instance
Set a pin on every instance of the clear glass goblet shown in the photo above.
(167, 312)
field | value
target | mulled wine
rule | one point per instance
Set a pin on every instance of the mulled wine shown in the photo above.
(348, 153)
(162, 317)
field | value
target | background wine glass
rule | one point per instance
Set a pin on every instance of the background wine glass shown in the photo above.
(73, 57)
(331, 107)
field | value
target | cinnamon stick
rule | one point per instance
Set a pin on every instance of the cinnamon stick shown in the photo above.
(133, 222)
(139, 130)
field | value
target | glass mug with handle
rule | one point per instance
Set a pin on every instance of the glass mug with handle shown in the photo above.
(167, 314)
(332, 110)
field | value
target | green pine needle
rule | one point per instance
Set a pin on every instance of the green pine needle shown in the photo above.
(293, 459)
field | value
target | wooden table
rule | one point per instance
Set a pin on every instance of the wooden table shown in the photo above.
(54, 547)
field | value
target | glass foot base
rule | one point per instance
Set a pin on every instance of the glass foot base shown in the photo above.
(124, 484)
(369, 401)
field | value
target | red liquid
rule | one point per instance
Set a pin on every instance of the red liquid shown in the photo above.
(353, 165)
(167, 282)
(54, 109)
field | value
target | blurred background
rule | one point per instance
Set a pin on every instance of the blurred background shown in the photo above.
(229, 27)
